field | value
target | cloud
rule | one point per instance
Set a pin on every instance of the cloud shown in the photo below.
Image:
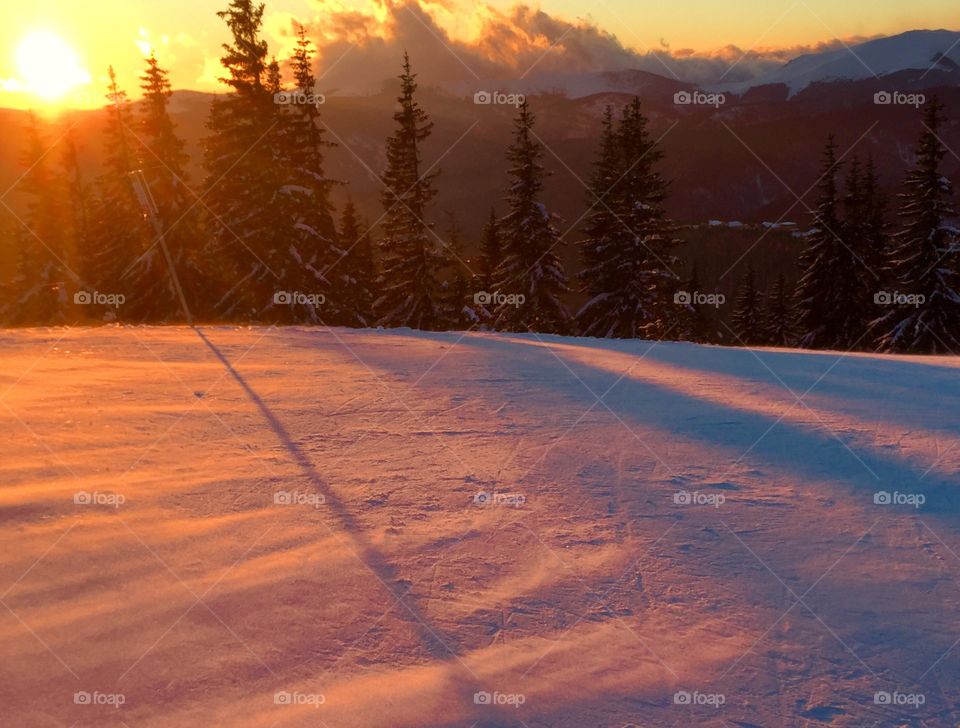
(361, 42)
(210, 74)
(360, 45)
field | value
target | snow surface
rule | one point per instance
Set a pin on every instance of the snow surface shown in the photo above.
(387, 590)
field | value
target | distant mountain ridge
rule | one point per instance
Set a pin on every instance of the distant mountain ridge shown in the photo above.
(915, 50)
(922, 51)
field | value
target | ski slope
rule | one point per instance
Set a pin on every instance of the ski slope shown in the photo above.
(310, 527)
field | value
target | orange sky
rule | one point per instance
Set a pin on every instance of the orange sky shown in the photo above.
(186, 33)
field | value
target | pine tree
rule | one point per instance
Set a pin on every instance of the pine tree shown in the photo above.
(530, 265)
(874, 250)
(746, 321)
(164, 171)
(832, 287)
(693, 319)
(357, 269)
(39, 290)
(602, 230)
(251, 240)
(461, 309)
(779, 317)
(491, 258)
(628, 254)
(305, 192)
(862, 253)
(924, 258)
(464, 312)
(119, 234)
(413, 258)
(8, 253)
(79, 202)
(491, 252)
(814, 289)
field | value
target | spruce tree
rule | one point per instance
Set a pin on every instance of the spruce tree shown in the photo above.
(120, 233)
(491, 257)
(413, 258)
(305, 192)
(250, 237)
(164, 171)
(693, 319)
(8, 253)
(602, 228)
(462, 310)
(491, 252)
(38, 294)
(530, 265)
(628, 254)
(79, 198)
(357, 268)
(831, 290)
(924, 256)
(862, 253)
(779, 317)
(746, 320)
(876, 242)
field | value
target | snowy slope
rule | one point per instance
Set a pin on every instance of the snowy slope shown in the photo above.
(914, 50)
(697, 532)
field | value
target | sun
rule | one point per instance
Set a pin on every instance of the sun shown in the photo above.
(48, 66)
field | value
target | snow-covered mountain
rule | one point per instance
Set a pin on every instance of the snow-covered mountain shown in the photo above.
(915, 50)
(925, 52)
(919, 50)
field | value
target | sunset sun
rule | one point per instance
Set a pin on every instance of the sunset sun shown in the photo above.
(49, 67)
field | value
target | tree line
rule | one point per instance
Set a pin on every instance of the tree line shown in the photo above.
(261, 241)
(870, 280)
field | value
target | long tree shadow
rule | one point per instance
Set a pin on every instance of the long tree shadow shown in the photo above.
(372, 558)
(807, 451)
(851, 382)
(811, 451)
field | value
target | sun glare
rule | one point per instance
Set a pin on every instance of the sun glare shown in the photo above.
(48, 66)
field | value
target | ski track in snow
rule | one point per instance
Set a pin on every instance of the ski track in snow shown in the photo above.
(398, 598)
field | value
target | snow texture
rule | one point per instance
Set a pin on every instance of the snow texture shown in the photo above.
(388, 588)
